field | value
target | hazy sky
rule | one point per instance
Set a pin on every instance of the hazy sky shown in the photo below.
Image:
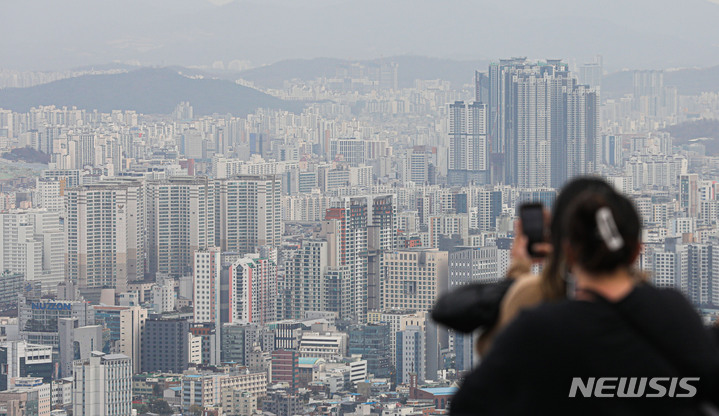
(51, 34)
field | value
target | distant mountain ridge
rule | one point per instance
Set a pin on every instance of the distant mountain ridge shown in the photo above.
(410, 68)
(147, 91)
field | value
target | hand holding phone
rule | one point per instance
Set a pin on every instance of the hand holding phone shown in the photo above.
(531, 216)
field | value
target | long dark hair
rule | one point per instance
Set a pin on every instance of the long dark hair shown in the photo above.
(603, 232)
(553, 282)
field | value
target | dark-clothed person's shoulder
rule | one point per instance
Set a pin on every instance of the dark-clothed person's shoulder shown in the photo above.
(650, 333)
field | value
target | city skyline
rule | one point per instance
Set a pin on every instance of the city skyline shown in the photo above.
(187, 229)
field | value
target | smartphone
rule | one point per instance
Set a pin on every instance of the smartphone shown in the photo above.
(532, 217)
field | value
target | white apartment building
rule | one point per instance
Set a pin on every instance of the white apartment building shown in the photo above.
(102, 385)
(250, 213)
(50, 194)
(106, 234)
(180, 221)
(33, 244)
(253, 289)
(163, 296)
(206, 285)
(448, 225)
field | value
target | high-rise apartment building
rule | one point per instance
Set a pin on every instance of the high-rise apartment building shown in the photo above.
(351, 228)
(248, 213)
(102, 385)
(692, 268)
(350, 150)
(252, 290)
(315, 281)
(591, 73)
(448, 225)
(689, 194)
(180, 221)
(543, 126)
(700, 279)
(50, 194)
(106, 234)
(468, 153)
(206, 286)
(398, 320)
(85, 150)
(33, 244)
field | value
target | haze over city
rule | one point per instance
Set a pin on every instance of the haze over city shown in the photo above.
(377, 208)
(639, 34)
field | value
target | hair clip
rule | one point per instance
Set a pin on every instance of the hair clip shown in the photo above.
(608, 229)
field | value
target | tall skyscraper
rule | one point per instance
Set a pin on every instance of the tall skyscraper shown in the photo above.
(102, 385)
(543, 126)
(106, 234)
(468, 156)
(33, 244)
(180, 221)
(248, 213)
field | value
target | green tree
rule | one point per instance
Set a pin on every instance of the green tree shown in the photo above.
(141, 408)
(160, 407)
(157, 390)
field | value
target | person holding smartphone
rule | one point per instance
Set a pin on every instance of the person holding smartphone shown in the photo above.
(646, 346)
(536, 245)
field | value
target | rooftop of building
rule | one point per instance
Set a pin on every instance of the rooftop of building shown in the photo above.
(308, 360)
(440, 391)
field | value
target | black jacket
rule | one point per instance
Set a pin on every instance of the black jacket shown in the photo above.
(650, 333)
